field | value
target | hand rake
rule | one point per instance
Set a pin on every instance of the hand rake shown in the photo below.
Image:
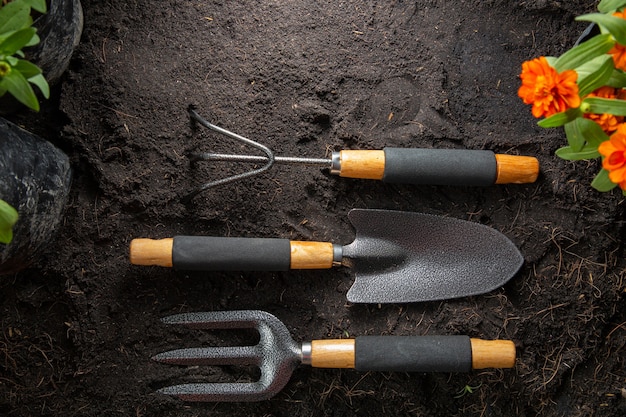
(393, 165)
(277, 355)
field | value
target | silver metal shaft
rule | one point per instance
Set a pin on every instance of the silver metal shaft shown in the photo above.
(326, 163)
(306, 351)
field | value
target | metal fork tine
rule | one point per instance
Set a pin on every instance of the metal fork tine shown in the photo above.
(214, 392)
(211, 320)
(235, 355)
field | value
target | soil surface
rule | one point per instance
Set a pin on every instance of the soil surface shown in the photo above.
(307, 77)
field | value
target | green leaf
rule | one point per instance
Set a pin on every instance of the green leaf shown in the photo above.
(15, 16)
(604, 105)
(586, 51)
(19, 87)
(38, 5)
(594, 74)
(34, 40)
(593, 133)
(575, 138)
(8, 218)
(587, 152)
(602, 182)
(34, 76)
(40, 81)
(582, 131)
(17, 41)
(616, 26)
(617, 79)
(606, 6)
(559, 119)
(27, 68)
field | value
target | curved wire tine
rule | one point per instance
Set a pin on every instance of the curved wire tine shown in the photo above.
(195, 157)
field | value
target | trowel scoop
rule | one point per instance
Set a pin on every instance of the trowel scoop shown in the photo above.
(397, 256)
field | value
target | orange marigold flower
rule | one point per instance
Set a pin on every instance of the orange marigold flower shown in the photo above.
(548, 91)
(618, 52)
(607, 122)
(613, 152)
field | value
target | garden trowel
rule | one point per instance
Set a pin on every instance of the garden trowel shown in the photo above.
(397, 256)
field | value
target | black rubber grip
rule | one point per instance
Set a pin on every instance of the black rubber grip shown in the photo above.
(205, 253)
(413, 353)
(440, 166)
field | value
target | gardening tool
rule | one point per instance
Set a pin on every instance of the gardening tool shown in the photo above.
(392, 165)
(397, 256)
(278, 355)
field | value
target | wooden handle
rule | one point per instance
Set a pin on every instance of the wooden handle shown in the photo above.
(362, 164)
(311, 255)
(513, 169)
(151, 252)
(411, 353)
(225, 254)
(492, 354)
(332, 353)
(370, 164)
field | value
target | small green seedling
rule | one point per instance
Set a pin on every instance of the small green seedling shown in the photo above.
(468, 389)
(16, 32)
(8, 218)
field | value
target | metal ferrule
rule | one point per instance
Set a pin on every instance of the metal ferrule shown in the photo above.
(337, 254)
(305, 353)
(335, 163)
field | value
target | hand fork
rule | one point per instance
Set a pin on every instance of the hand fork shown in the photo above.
(277, 355)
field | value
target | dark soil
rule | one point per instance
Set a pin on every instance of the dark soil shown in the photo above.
(80, 325)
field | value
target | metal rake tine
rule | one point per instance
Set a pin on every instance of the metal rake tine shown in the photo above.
(199, 156)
